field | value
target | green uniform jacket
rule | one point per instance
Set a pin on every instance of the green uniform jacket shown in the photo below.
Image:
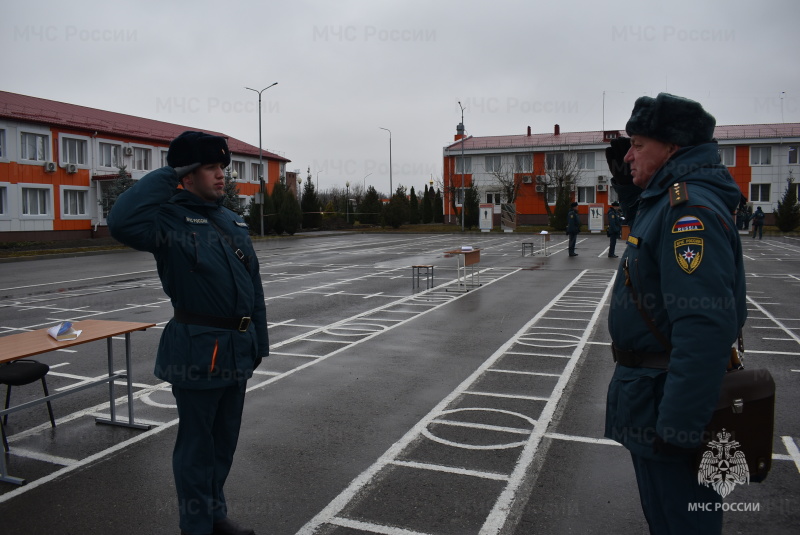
(685, 263)
(201, 274)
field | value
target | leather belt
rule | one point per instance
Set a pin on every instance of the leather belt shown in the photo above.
(640, 359)
(240, 324)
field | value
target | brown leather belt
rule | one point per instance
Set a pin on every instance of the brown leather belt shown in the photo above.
(240, 324)
(640, 359)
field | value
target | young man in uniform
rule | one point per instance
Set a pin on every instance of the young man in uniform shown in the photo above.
(573, 227)
(678, 305)
(218, 334)
(614, 228)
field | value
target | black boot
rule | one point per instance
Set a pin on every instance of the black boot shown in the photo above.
(229, 527)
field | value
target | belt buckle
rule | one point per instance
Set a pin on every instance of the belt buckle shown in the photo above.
(244, 324)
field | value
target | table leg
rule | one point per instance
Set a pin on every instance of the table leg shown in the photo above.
(113, 420)
(4, 477)
(112, 405)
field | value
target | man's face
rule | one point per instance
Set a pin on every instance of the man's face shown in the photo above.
(646, 156)
(207, 182)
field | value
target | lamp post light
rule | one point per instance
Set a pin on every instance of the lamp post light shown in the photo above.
(299, 181)
(347, 201)
(365, 183)
(391, 191)
(260, 155)
(463, 166)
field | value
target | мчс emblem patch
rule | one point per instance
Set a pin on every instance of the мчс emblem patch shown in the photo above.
(687, 223)
(689, 253)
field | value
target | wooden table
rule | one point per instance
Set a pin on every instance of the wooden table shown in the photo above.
(464, 259)
(28, 344)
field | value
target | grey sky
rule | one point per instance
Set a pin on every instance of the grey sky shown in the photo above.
(346, 68)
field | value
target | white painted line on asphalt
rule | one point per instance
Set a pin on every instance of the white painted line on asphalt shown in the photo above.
(791, 447)
(534, 354)
(369, 527)
(588, 440)
(487, 427)
(526, 373)
(792, 353)
(39, 456)
(776, 320)
(510, 396)
(77, 280)
(451, 470)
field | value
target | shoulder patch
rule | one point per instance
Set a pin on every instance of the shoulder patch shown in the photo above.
(689, 253)
(197, 220)
(678, 194)
(687, 223)
(241, 224)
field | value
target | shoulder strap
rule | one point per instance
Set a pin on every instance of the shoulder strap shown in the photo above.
(238, 252)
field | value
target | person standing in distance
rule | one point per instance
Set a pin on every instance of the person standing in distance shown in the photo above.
(678, 305)
(614, 228)
(573, 227)
(218, 333)
(758, 223)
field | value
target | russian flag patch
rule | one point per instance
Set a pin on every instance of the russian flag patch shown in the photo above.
(687, 223)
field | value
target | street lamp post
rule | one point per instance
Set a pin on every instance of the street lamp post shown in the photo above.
(260, 155)
(347, 201)
(365, 183)
(463, 166)
(391, 191)
(299, 181)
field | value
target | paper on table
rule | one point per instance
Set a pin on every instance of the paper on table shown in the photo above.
(466, 248)
(64, 331)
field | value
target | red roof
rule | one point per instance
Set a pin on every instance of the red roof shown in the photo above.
(750, 131)
(50, 112)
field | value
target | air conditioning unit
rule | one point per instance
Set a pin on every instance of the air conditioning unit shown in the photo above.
(72, 168)
(602, 187)
(128, 151)
(526, 179)
(49, 167)
(540, 179)
(601, 179)
(539, 188)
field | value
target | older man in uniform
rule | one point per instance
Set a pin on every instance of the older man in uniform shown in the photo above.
(573, 227)
(678, 305)
(218, 334)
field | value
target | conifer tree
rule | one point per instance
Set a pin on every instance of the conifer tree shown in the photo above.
(787, 216)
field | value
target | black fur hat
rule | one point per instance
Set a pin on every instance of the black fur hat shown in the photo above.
(198, 147)
(671, 119)
(573, 205)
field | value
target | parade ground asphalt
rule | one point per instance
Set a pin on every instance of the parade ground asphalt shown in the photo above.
(383, 409)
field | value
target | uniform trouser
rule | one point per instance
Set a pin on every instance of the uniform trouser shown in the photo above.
(668, 490)
(208, 430)
(612, 246)
(572, 239)
(758, 229)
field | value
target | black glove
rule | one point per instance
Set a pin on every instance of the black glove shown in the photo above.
(615, 156)
(185, 170)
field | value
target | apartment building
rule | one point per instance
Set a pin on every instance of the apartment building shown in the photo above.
(57, 158)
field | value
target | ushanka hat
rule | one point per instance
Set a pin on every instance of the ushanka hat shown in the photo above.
(198, 147)
(671, 119)
(573, 205)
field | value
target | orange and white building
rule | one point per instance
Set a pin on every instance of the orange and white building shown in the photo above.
(56, 158)
(760, 157)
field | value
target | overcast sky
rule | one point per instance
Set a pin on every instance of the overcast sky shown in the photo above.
(346, 68)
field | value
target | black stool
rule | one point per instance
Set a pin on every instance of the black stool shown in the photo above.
(415, 276)
(19, 373)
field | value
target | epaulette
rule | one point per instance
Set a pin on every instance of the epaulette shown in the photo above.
(678, 193)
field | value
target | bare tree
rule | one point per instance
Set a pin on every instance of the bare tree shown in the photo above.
(562, 174)
(509, 181)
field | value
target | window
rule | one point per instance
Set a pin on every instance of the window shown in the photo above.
(109, 155)
(3, 200)
(759, 192)
(141, 159)
(74, 202)
(163, 158)
(727, 156)
(73, 151)
(255, 169)
(2, 144)
(523, 163)
(551, 195)
(463, 165)
(793, 151)
(586, 194)
(238, 169)
(33, 147)
(493, 164)
(35, 201)
(585, 160)
(459, 192)
(760, 155)
(554, 161)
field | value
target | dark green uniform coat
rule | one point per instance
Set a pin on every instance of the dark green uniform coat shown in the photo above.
(685, 262)
(201, 274)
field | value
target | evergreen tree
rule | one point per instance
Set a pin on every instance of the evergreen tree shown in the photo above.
(438, 207)
(413, 208)
(370, 209)
(427, 205)
(787, 216)
(109, 195)
(290, 214)
(230, 199)
(471, 207)
(397, 211)
(558, 217)
(310, 206)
